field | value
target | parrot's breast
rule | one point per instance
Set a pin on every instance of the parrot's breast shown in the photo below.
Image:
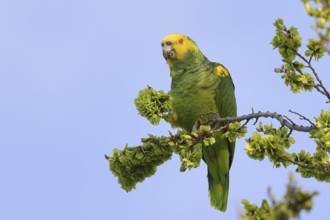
(193, 94)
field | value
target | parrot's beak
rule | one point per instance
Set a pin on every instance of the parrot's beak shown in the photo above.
(168, 52)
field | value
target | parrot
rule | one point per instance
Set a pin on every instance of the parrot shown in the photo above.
(200, 88)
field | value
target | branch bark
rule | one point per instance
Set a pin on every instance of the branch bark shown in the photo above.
(219, 122)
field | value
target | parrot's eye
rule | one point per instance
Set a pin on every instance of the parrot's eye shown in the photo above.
(181, 41)
(167, 43)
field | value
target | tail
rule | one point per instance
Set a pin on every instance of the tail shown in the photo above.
(218, 158)
(218, 191)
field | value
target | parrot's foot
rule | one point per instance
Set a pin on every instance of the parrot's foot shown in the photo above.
(205, 119)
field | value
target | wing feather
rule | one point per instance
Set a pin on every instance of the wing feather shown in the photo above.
(225, 100)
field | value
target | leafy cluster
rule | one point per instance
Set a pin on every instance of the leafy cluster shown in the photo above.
(318, 164)
(294, 73)
(154, 105)
(295, 200)
(313, 165)
(322, 134)
(287, 41)
(189, 146)
(272, 144)
(315, 49)
(134, 164)
(235, 130)
(320, 11)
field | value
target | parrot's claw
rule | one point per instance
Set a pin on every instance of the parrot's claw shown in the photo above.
(195, 127)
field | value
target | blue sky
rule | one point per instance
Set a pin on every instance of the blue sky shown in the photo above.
(69, 72)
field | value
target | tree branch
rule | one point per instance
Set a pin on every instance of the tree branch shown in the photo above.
(319, 87)
(219, 122)
(305, 166)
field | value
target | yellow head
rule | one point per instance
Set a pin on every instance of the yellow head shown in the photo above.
(176, 47)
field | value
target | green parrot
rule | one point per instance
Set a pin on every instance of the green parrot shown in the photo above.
(202, 89)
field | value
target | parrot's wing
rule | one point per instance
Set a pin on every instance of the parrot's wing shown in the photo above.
(225, 100)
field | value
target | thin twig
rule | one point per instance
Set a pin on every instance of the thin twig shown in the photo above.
(310, 59)
(302, 117)
(287, 118)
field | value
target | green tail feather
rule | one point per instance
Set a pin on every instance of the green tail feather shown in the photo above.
(218, 192)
